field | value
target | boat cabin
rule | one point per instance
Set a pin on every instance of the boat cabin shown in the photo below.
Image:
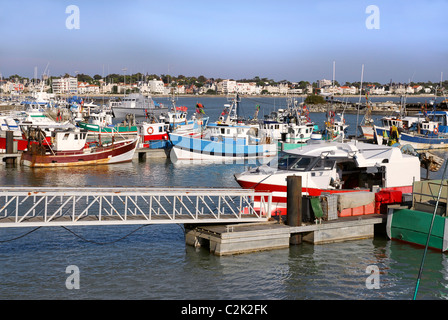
(68, 140)
(101, 119)
(349, 166)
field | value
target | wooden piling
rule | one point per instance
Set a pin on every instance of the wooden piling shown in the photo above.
(10, 146)
(294, 206)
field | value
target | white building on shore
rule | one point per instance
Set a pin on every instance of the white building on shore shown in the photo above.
(86, 88)
(65, 86)
(156, 86)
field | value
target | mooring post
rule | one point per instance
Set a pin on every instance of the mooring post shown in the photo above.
(294, 205)
(10, 146)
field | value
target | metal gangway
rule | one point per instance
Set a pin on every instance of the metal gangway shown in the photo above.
(69, 206)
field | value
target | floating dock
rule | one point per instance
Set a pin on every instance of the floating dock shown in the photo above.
(251, 237)
(145, 153)
(9, 158)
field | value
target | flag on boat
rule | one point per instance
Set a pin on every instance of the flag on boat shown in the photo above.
(200, 108)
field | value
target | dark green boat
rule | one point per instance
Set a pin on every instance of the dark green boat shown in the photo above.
(413, 224)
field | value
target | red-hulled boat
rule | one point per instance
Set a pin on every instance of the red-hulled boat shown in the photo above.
(77, 148)
(334, 167)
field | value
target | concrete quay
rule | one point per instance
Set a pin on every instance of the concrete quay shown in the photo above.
(145, 153)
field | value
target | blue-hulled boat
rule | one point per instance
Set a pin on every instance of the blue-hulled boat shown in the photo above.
(425, 130)
(227, 139)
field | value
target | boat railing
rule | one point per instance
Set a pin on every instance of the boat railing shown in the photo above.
(425, 193)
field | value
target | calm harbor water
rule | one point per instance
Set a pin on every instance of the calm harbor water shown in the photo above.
(154, 263)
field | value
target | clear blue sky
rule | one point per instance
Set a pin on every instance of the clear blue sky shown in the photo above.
(285, 39)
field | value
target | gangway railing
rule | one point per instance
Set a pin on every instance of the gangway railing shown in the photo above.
(46, 206)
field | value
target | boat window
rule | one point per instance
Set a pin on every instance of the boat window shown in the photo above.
(294, 162)
(302, 164)
(65, 136)
(286, 160)
(323, 164)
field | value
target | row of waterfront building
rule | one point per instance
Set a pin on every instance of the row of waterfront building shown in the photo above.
(71, 85)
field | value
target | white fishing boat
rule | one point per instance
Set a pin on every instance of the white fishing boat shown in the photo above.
(290, 128)
(335, 129)
(8, 123)
(138, 105)
(334, 167)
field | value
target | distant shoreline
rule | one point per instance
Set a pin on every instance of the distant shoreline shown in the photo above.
(252, 96)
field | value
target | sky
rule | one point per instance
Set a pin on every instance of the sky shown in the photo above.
(290, 40)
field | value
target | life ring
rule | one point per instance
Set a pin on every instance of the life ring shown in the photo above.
(436, 130)
(150, 130)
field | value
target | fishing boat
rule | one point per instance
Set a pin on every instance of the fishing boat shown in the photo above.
(366, 127)
(425, 135)
(101, 122)
(40, 118)
(176, 118)
(335, 129)
(221, 142)
(411, 223)
(76, 147)
(19, 122)
(8, 123)
(227, 139)
(290, 127)
(153, 135)
(137, 104)
(424, 130)
(334, 167)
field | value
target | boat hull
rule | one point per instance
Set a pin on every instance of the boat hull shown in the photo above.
(412, 226)
(367, 132)
(117, 153)
(22, 144)
(187, 147)
(279, 189)
(417, 141)
(121, 112)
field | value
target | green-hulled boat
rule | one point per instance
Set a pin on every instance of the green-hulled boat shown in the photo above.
(413, 224)
(122, 129)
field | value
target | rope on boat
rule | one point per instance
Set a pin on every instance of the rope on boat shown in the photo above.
(429, 234)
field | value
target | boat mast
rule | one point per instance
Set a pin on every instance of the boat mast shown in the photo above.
(359, 102)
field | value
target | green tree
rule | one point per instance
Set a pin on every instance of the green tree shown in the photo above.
(314, 99)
